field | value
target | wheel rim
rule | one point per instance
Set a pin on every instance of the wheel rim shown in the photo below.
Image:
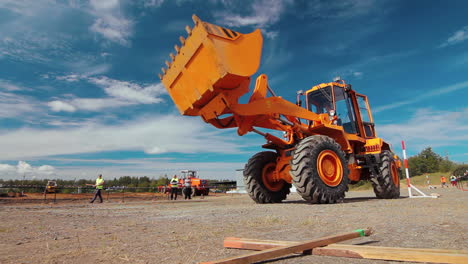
(330, 168)
(268, 179)
(395, 176)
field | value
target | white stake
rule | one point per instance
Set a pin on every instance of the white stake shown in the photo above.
(410, 186)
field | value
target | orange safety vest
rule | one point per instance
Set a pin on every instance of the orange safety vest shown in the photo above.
(442, 179)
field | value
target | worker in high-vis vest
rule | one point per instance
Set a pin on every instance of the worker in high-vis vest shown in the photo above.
(99, 187)
(174, 183)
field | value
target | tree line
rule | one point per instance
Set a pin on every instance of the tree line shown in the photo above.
(127, 181)
(427, 161)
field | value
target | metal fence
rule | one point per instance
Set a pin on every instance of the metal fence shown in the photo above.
(34, 194)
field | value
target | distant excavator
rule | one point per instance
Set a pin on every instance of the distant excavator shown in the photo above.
(51, 187)
(199, 186)
(327, 144)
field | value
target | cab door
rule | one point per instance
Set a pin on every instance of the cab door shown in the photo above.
(366, 116)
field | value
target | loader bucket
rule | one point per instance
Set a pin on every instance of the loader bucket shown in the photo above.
(210, 61)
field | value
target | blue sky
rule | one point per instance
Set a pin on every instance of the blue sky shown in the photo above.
(79, 92)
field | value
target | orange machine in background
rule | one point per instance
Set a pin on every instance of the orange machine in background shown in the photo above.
(199, 186)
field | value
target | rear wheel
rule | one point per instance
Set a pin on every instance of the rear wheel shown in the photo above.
(319, 170)
(258, 178)
(387, 183)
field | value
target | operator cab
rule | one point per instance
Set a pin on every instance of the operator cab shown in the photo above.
(339, 99)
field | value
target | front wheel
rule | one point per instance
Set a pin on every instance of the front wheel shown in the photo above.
(387, 184)
(258, 178)
(319, 170)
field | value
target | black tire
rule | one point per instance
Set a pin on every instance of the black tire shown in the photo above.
(256, 188)
(305, 174)
(383, 184)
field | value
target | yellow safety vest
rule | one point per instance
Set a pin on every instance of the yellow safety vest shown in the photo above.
(174, 183)
(99, 183)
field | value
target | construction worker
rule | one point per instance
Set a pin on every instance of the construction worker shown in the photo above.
(99, 187)
(174, 183)
(443, 182)
(187, 188)
(453, 181)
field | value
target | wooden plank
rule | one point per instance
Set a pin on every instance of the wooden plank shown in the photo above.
(289, 249)
(361, 251)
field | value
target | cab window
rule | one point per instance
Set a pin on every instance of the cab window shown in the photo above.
(344, 111)
(320, 101)
(365, 116)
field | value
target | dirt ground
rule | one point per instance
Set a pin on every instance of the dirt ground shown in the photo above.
(162, 231)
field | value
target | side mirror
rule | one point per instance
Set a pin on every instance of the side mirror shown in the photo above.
(298, 97)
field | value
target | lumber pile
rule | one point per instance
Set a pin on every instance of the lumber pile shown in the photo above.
(360, 251)
(270, 249)
(278, 251)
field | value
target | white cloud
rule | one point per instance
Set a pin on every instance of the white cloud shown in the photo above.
(131, 92)
(104, 4)
(276, 55)
(24, 7)
(24, 39)
(357, 74)
(87, 66)
(46, 170)
(344, 9)
(271, 34)
(152, 3)
(348, 73)
(25, 169)
(8, 86)
(12, 105)
(429, 94)
(68, 78)
(7, 168)
(96, 104)
(264, 13)
(110, 22)
(371, 62)
(429, 127)
(121, 93)
(457, 37)
(159, 134)
(58, 106)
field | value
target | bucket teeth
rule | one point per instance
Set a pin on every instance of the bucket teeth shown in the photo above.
(163, 70)
(182, 40)
(167, 64)
(195, 19)
(188, 29)
(177, 49)
(160, 76)
(172, 56)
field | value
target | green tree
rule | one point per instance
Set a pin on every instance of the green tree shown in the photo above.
(460, 170)
(427, 161)
(446, 165)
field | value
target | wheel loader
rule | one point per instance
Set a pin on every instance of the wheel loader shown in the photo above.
(199, 186)
(328, 135)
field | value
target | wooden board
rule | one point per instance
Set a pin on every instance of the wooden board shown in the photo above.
(358, 251)
(279, 251)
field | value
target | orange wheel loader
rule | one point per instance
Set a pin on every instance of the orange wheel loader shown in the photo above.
(328, 143)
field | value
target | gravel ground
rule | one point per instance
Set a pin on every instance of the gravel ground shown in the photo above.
(193, 231)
